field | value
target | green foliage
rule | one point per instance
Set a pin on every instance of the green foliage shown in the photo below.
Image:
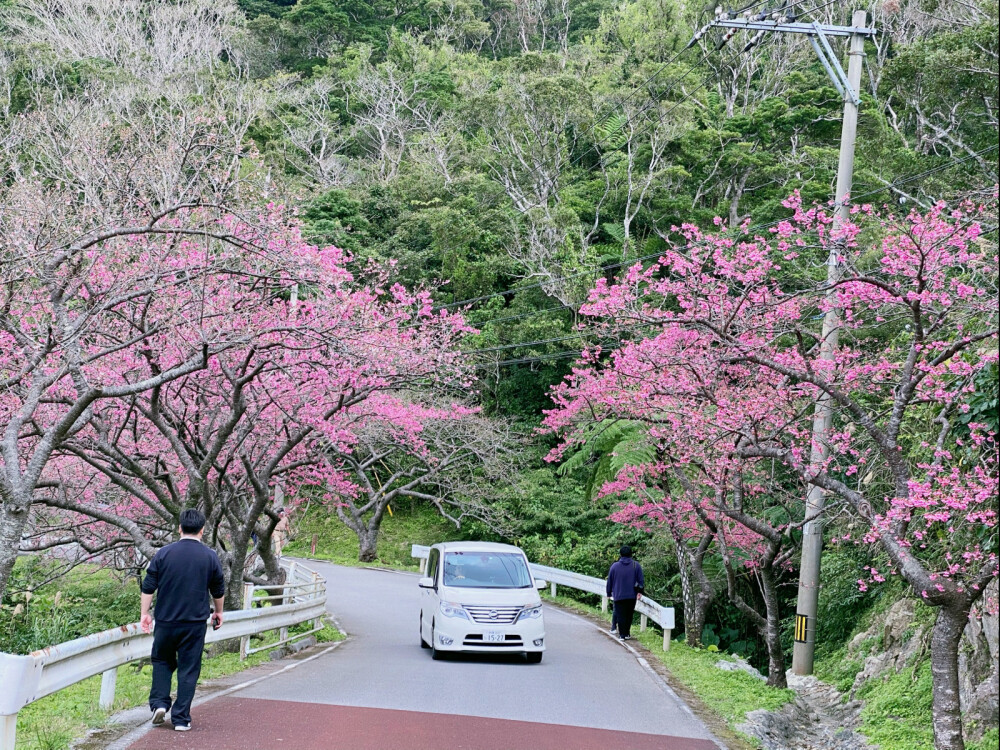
(842, 603)
(983, 403)
(731, 694)
(39, 613)
(337, 543)
(608, 447)
(897, 711)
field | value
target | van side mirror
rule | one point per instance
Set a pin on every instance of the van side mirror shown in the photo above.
(426, 583)
(540, 583)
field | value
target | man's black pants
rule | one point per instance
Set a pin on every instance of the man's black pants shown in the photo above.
(624, 609)
(176, 647)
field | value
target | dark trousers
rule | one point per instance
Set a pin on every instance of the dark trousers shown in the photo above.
(177, 647)
(624, 609)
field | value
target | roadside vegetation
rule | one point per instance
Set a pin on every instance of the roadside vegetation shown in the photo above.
(54, 609)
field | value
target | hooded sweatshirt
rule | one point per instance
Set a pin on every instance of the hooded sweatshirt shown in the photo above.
(625, 579)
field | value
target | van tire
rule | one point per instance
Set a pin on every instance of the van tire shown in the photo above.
(423, 643)
(534, 657)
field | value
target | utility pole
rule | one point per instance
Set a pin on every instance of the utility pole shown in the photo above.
(806, 609)
(849, 86)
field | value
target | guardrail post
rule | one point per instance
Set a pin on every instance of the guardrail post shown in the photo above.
(666, 639)
(315, 595)
(109, 679)
(604, 604)
(642, 623)
(423, 565)
(247, 604)
(8, 731)
(553, 591)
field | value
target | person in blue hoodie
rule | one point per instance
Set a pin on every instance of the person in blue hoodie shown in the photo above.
(625, 586)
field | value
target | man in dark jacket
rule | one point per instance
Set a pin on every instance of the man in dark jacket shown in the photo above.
(625, 585)
(182, 574)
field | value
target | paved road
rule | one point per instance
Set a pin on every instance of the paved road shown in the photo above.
(380, 690)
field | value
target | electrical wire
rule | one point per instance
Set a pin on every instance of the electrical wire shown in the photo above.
(854, 200)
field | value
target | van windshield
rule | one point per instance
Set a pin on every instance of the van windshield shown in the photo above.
(486, 570)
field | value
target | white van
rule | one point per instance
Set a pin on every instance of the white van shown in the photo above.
(480, 596)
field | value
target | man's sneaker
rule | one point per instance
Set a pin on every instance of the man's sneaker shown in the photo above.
(182, 727)
(626, 638)
(613, 631)
(158, 714)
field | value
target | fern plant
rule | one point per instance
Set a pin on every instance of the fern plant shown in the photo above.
(608, 447)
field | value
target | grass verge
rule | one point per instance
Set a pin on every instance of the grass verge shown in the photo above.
(336, 543)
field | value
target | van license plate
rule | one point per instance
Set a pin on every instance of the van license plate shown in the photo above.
(494, 636)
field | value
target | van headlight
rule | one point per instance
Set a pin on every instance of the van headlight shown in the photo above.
(530, 614)
(450, 609)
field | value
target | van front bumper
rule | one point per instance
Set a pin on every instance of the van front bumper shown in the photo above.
(456, 634)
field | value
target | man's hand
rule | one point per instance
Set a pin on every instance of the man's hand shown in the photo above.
(638, 597)
(146, 623)
(216, 620)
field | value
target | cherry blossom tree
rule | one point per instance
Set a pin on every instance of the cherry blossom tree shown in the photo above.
(918, 307)
(447, 455)
(316, 357)
(697, 484)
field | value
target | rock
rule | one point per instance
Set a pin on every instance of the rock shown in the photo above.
(305, 643)
(898, 643)
(278, 654)
(818, 719)
(738, 664)
(978, 666)
(898, 620)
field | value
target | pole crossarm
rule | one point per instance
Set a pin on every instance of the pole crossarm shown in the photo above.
(794, 28)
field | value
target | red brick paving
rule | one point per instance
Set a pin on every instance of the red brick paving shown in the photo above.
(255, 724)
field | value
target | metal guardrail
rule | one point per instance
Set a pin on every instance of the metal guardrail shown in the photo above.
(26, 679)
(646, 607)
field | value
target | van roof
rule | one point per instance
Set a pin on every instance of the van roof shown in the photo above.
(477, 547)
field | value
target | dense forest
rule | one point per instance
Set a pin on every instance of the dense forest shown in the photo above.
(367, 256)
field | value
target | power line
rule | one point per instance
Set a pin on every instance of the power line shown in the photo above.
(569, 352)
(853, 200)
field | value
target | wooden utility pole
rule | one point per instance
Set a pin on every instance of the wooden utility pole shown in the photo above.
(849, 86)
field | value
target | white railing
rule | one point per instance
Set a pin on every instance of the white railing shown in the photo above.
(25, 679)
(646, 607)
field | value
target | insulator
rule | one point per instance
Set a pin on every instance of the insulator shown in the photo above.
(725, 40)
(755, 41)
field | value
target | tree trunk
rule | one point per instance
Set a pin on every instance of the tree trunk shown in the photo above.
(695, 587)
(703, 596)
(946, 708)
(13, 519)
(368, 544)
(772, 633)
(234, 579)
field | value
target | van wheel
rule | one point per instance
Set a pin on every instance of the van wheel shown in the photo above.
(423, 643)
(535, 657)
(436, 654)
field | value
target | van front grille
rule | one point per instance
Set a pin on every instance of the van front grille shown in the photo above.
(493, 615)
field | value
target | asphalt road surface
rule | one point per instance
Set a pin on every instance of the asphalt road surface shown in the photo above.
(381, 691)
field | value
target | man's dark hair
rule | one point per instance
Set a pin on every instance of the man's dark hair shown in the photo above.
(192, 521)
(625, 551)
